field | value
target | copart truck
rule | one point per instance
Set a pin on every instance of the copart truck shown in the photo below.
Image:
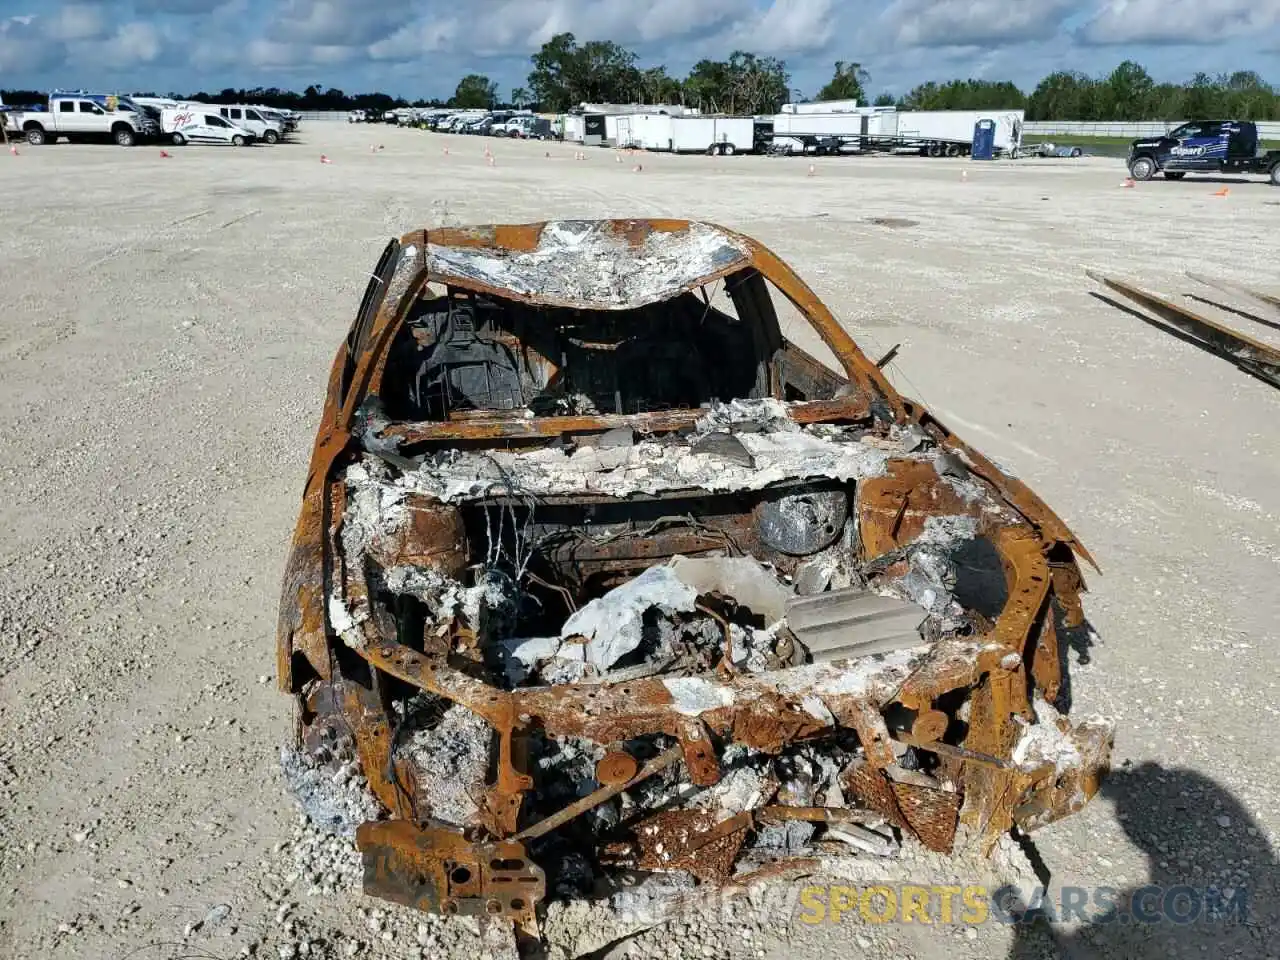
(1204, 146)
(82, 116)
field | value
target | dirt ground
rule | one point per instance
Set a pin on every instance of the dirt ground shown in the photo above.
(167, 334)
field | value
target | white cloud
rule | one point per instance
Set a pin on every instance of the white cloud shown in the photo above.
(418, 38)
(787, 26)
(337, 23)
(25, 49)
(77, 21)
(944, 23)
(268, 54)
(1196, 22)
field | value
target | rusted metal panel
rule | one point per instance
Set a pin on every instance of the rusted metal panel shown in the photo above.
(1237, 288)
(442, 872)
(893, 509)
(693, 841)
(843, 410)
(1253, 356)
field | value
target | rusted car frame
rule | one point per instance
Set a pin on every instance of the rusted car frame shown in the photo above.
(946, 731)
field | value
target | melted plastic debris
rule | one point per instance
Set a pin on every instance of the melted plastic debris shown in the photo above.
(613, 624)
(1044, 741)
(588, 265)
(746, 579)
(452, 758)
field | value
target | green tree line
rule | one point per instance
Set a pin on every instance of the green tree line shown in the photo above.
(566, 73)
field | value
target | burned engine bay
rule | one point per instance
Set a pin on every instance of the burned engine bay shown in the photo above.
(597, 577)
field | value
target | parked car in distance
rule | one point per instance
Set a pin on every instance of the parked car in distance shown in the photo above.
(357, 116)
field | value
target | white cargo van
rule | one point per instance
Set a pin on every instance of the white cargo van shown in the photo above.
(268, 131)
(202, 125)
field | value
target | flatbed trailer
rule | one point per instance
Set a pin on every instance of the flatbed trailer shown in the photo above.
(825, 144)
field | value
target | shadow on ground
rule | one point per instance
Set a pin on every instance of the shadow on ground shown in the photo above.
(1212, 888)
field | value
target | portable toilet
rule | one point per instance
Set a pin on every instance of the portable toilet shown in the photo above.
(984, 140)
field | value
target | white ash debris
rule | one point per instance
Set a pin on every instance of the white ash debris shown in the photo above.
(345, 621)
(694, 696)
(373, 506)
(588, 265)
(764, 414)
(847, 677)
(452, 761)
(947, 530)
(335, 800)
(649, 467)
(752, 649)
(441, 594)
(489, 608)
(1047, 741)
(929, 581)
(742, 788)
(786, 838)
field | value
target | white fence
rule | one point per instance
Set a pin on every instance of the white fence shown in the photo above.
(1267, 130)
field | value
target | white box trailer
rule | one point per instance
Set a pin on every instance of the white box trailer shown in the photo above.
(820, 124)
(946, 128)
(645, 131)
(724, 135)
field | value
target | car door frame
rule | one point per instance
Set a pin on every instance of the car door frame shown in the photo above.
(1203, 151)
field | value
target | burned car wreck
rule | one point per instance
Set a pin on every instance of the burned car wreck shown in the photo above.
(598, 576)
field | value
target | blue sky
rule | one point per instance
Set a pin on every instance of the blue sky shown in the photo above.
(421, 49)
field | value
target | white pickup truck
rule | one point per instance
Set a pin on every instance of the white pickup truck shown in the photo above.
(82, 116)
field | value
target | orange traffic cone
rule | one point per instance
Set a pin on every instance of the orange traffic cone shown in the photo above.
(164, 153)
(1129, 183)
(1222, 193)
(14, 149)
(637, 168)
(325, 159)
(446, 151)
(812, 169)
(964, 176)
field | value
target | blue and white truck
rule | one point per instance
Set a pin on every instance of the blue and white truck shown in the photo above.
(1204, 146)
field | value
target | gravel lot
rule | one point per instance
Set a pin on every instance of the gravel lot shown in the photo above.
(163, 355)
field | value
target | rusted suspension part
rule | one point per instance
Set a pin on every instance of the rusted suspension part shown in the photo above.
(578, 807)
